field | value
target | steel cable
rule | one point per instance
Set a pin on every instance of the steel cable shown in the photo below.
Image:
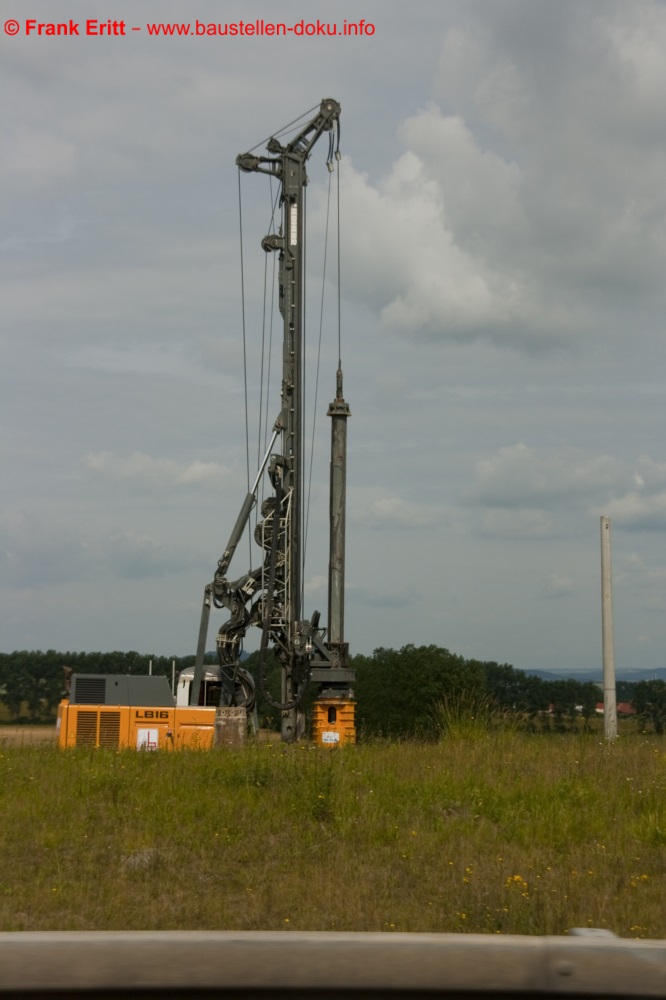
(247, 419)
(314, 417)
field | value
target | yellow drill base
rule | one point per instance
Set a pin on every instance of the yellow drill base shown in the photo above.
(333, 722)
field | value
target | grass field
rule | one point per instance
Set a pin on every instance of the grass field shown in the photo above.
(496, 832)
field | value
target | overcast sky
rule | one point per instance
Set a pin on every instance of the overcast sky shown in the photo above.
(503, 210)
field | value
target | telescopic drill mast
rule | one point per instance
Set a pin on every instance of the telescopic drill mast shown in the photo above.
(274, 589)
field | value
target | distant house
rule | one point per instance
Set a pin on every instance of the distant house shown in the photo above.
(623, 708)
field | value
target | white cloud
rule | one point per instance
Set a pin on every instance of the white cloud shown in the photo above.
(383, 598)
(635, 510)
(36, 157)
(519, 523)
(644, 507)
(638, 572)
(638, 38)
(520, 476)
(459, 242)
(129, 555)
(156, 472)
(643, 572)
(316, 586)
(391, 512)
(38, 554)
(558, 585)
(422, 241)
(528, 492)
(575, 92)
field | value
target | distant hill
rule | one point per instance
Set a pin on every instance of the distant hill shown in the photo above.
(596, 676)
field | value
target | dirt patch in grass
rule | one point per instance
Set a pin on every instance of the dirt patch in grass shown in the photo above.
(17, 736)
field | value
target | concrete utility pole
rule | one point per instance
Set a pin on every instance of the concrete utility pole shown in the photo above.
(608, 641)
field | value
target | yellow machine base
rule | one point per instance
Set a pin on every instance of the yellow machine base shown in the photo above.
(333, 722)
(123, 726)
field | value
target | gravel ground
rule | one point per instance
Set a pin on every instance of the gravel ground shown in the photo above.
(26, 735)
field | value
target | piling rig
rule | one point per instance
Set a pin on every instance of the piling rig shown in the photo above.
(270, 596)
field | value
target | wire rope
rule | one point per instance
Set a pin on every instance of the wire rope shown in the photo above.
(301, 419)
(284, 128)
(263, 353)
(337, 156)
(263, 417)
(270, 356)
(247, 419)
(316, 392)
(271, 231)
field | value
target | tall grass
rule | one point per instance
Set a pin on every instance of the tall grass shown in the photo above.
(468, 715)
(504, 832)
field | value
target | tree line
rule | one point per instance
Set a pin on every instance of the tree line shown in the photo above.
(33, 682)
(398, 692)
